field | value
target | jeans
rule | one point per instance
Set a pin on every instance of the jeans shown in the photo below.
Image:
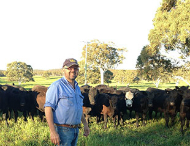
(68, 136)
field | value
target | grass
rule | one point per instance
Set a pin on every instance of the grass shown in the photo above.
(143, 85)
(36, 133)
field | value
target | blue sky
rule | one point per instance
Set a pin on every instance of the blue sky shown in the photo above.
(43, 33)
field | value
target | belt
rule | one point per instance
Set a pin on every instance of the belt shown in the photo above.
(69, 126)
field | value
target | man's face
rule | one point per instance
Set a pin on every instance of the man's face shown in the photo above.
(71, 72)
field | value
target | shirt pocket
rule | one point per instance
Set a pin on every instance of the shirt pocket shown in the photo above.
(67, 100)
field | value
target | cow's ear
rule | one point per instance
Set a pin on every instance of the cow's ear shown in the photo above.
(177, 87)
(144, 93)
(136, 93)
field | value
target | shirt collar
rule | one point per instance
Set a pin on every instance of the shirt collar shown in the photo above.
(65, 80)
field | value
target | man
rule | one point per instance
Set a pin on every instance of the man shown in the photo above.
(63, 107)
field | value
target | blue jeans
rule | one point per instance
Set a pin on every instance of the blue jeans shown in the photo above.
(68, 136)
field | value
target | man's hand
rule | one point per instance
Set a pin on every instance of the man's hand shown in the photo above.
(54, 136)
(86, 131)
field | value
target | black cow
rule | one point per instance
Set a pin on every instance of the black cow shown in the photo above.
(171, 106)
(16, 100)
(121, 105)
(103, 104)
(31, 103)
(138, 102)
(156, 101)
(3, 104)
(185, 110)
(96, 105)
(166, 101)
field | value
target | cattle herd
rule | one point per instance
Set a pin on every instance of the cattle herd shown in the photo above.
(102, 102)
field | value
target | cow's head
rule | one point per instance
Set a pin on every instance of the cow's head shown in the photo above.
(113, 101)
(93, 94)
(128, 98)
(150, 99)
(173, 94)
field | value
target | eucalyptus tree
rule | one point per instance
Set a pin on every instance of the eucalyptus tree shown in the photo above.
(19, 71)
(154, 67)
(93, 76)
(125, 76)
(172, 27)
(172, 32)
(104, 56)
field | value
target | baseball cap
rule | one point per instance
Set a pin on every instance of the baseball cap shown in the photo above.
(69, 62)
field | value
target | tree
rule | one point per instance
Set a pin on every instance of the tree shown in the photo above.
(108, 76)
(20, 72)
(125, 76)
(155, 66)
(46, 74)
(2, 73)
(105, 56)
(171, 32)
(93, 76)
(171, 27)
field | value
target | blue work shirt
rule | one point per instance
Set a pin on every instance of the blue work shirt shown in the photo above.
(65, 101)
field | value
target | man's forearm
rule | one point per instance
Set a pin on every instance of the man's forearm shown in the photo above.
(84, 120)
(49, 118)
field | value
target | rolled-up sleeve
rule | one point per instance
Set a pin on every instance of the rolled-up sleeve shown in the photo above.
(52, 96)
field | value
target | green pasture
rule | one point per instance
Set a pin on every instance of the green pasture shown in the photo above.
(39, 80)
(36, 133)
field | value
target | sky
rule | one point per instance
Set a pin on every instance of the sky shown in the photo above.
(43, 33)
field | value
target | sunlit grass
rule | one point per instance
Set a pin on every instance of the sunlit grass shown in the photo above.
(36, 133)
(39, 80)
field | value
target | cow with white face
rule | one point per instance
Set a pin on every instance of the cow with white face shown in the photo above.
(128, 99)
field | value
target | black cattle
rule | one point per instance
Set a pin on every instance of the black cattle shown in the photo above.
(185, 110)
(156, 101)
(121, 104)
(31, 103)
(16, 100)
(165, 101)
(121, 107)
(97, 106)
(41, 98)
(3, 104)
(172, 105)
(139, 101)
(103, 104)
